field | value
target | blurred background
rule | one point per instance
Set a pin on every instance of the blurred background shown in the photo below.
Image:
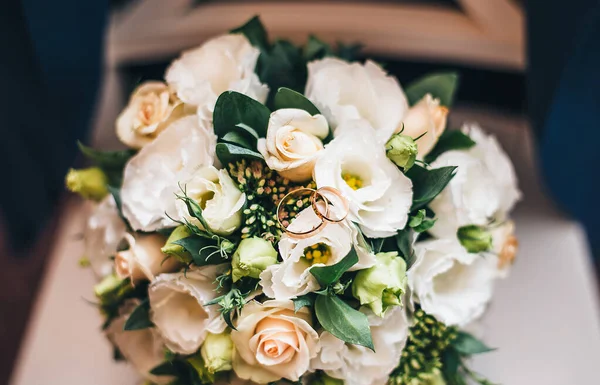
(529, 73)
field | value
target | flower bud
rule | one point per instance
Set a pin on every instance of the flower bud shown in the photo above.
(197, 363)
(433, 378)
(109, 284)
(382, 285)
(402, 150)
(217, 352)
(177, 251)
(252, 256)
(474, 239)
(324, 379)
(90, 183)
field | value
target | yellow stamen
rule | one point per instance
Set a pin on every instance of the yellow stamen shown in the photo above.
(354, 181)
(317, 253)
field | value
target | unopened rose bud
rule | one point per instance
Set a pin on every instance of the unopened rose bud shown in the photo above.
(177, 251)
(90, 183)
(402, 150)
(382, 285)
(109, 284)
(474, 239)
(324, 379)
(252, 256)
(217, 352)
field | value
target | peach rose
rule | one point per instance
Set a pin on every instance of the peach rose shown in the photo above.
(144, 259)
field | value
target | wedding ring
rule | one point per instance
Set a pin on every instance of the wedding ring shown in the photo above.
(336, 205)
(301, 191)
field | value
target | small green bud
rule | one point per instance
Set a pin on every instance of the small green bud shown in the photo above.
(252, 256)
(433, 378)
(382, 285)
(90, 183)
(217, 352)
(324, 379)
(175, 250)
(474, 238)
(108, 285)
(402, 150)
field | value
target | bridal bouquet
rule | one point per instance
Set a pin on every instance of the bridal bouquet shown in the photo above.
(287, 215)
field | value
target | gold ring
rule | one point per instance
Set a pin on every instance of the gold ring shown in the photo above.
(338, 194)
(303, 234)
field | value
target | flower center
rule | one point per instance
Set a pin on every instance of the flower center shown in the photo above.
(317, 253)
(354, 181)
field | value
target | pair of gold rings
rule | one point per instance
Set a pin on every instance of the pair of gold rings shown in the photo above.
(328, 203)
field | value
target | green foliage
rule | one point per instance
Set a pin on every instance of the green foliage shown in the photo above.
(327, 275)
(455, 370)
(342, 321)
(111, 299)
(139, 318)
(230, 153)
(448, 141)
(419, 221)
(307, 300)
(233, 108)
(256, 33)
(467, 344)
(404, 243)
(287, 98)
(204, 251)
(427, 184)
(111, 162)
(441, 85)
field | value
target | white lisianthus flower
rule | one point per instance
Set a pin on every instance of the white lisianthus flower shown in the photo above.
(144, 348)
(273, 342)
(292, 277)
(380, 195)
(221, 199)
(483, 190)
(103, 232)
(345, 91)
(144, 258)
(293, 142)
(152, 107)
(177, 307)
(357, 365)
(427, 120)
(224, 63)
(451, 284)
(152, 177)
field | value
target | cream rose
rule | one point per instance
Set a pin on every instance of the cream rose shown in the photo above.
(222, 201)
(223, 63)
(292, 277)
(293, 142)
(348, 91)
(177, 307)
(357, 365)
(144, 259)
(426, 118)
(152, 107)
(380, 195)
(144, 348)
(450, 283)
(273, 342)
(152, 177)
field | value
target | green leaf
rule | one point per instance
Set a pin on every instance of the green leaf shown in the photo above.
(326, 275)
(203, 250)
(342, 321)
(284, 66)
(229, 153)
(256, 33)
(233, 108)
(106, 160)
(425, 225)
(404, 242)
(306, 300)
(466, 344)
(139, 318)
(450, 364)
(316, 49)
(248, 131)
(286, 98)
(441, 85)
(419, 222)
(348, 51)
(450, 140)
(236, 138)
(427, 184)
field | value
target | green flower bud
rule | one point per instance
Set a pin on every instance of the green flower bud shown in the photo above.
(197, 363)
(217, 352)
(108, 285)
(90, 183)
(433, 378)
(252, 256)
(402, 150)
(324, 379)
(175, 250)
(474, 238)
(382, 285)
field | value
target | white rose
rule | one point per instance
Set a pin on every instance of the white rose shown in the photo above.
(223, 63)
(345, 91)
(222, 201)
(357, 365)
(483, 190)
(380, 195)
(273, 342)
(144, 259)
(293, 142)
(177, 308)
(152, 177)
(144, 348)
(103, 232)
(151, 108)
(292, 277)
(451, 284)
(426, 118)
